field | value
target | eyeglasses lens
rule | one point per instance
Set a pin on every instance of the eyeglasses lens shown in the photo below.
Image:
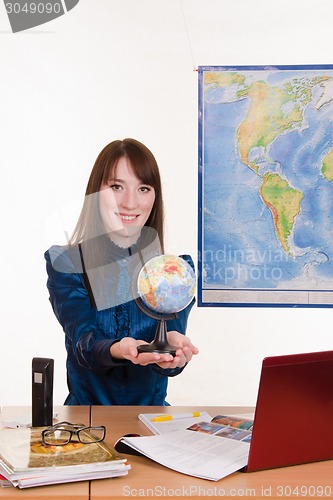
(92, 435)
(57, 437)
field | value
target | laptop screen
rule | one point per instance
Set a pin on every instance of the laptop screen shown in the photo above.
(294, 411)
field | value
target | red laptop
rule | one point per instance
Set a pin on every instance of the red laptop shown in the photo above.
(294, 411)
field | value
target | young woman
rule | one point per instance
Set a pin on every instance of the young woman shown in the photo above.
(91, 285)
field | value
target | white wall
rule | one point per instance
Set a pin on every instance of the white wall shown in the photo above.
(115, 68)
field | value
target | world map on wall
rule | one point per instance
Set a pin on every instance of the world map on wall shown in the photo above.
(266, 185)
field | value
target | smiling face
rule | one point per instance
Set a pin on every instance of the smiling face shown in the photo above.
(125, 204)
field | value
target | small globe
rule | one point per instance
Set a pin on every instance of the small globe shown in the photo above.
(166, 284)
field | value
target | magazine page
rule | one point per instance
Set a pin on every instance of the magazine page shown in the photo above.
(197, 454)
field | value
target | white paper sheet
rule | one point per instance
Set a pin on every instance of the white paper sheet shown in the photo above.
(194, 453)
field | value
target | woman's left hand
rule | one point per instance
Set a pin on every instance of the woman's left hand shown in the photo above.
(185, 350)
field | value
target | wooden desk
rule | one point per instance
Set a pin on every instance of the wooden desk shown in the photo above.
(71, 491)
(149, 479)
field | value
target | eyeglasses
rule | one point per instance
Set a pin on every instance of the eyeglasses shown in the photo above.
(63, 432)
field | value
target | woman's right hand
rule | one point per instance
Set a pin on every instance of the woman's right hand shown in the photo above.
(127, 348)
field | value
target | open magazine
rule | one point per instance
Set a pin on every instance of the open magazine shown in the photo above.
(25, 461)
(207, 449)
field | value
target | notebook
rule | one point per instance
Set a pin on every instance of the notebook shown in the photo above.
(294, 411)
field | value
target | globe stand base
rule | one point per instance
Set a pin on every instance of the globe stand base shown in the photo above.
(160, 343)
(159, 347)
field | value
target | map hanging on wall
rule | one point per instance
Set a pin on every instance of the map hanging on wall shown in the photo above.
(266, 186)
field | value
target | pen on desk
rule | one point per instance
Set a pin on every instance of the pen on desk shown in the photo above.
(164, 418)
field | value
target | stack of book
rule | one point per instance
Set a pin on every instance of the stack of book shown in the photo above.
(26, 461)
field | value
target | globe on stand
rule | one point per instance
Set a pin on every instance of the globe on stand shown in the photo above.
(165, 286)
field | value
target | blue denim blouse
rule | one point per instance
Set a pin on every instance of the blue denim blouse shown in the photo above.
(93, 376)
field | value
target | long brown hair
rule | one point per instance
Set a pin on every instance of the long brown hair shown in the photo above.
(145, 168)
